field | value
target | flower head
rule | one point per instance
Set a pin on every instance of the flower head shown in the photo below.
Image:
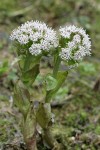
(41, 37)
(78, 43)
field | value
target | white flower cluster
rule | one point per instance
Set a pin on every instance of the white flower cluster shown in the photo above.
(78, 45)
(39, 37)
(42, 37)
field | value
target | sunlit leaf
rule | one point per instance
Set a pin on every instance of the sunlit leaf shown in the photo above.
(51, 82)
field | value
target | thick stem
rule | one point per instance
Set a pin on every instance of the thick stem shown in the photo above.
(50, 140)
(48, 137)
(29, 130)
(31, 143)
(57, 62)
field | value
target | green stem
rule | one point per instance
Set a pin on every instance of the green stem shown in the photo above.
(50, 140)
(29, 130)
(31, 143)
(57, 62)
(48, 137)
(43, 117)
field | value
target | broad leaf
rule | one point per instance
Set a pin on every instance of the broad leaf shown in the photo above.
(61, 76)
(50, 82)
(43, 114)
(29, 77)
(29, 125)
(30, 68)
(21, 97)
(31, 61)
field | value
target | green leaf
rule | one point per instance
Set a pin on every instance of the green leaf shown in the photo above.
(51, 82)
(61, 76)
(21, 61)
(30, 68)
(29, 77)
(21, 97)
(31, 61)
(43, 114)
(29, 125)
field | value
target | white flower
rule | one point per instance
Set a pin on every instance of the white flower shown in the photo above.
(62, 31)
(65, 54)
(78, 45)
(42, 37)
(35, 49)
(77, 38)
(72, 45)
